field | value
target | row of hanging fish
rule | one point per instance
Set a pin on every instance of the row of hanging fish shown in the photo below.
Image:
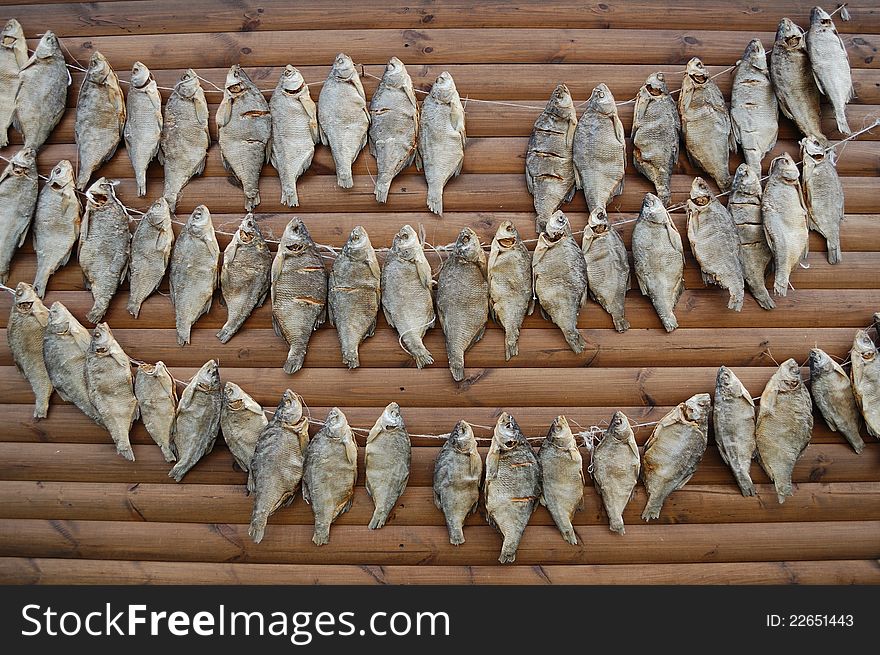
(566, 153)
(251, 131)
(55, 352)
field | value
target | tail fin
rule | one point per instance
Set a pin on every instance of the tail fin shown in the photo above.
(620, 323)
(435, 201)
(294, 362)
(575, 341)
(382, 187)
(670, 323)
(252, 200)
(226, 333)
(289, 196)
(343, 176)
(840, 116)
(745, 484)
(141, 178)
(616, 525)
(258, 527)
(96, 313)
(835, 255)
(763, 298)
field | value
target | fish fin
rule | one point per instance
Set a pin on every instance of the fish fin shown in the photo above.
(387, 317)
(819, 84)
(323, 136)
(492, 459)
(351, 452)
(530, 184)
(424, 270)
(304, 490)
(418, 160)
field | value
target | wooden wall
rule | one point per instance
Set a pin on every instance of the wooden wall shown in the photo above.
(73, 511)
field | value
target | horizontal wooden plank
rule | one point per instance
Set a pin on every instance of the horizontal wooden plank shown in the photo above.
(484, 155)
(66, 424)
(38, 570)
(518, 119)
(477, 80)
(72, 18)
(539, 347)
(429, 45)
(430, 544)
(98, 462)
(706, 308)
(200, 503)
(434, 387)
(858, 270)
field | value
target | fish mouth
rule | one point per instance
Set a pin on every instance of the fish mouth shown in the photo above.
(654, 91)
(99, 198)
(201, 386)
(507, 242)
(699, 78)
(24, 307)
(792, 384)
(601, 228)
(235, 88)
(236, 404)
(700, 201)
(295, 247)
(9, 41)
(793, 41)
(292, 92)
(149, 369)
(246, 236)
(102, 350)
(509, 443)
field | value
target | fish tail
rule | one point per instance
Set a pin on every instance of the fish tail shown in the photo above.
(511, 345)
(780, 285)
(763, 298)
(783, 489)
(134, 307)
(343, 176)
(456, 366)
(745, 484)
(96, 313)
(736, 300)
(294, 361)
(856, 442)
(575, 341)
(652, 509)
(168, 454)
(456, 534)
(664, 193)
(379, 518)
(289, 196)
(435, 201)
(179, 470)
(258, 526)
(226, 332)
(568, 534)
(41, 407)
(124, 449)
(417, 350)
(840, 117)
(620, 323)
(322, 535)
(251, 200)
(616, 525)
(835, 255)
(508, 550)
(183, 334)
(41, 281)
(382, 187)
(141, 179)
(670, 323)
(540, 224)
(351, 358)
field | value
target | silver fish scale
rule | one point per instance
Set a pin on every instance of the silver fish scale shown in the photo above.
(184, 143)
(655, 142)
(706, 129)
(600, 158)
(715, 245)
(512, 495)
(24, 335)
(353, 296)
(293, 143)
(104, 254)
(823, 194)
(41, 98)
(463, 304)
(243, 141)
(100, 118)
(18, 197)
(560, 283)
(55, 231)
(143, 128)
(393, 134)
(608, 274)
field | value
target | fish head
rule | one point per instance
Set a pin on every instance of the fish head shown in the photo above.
(467, 245)
(863, 346)
(821, 18)
(598, 222)
(746, 181)
(507, 434)
(820, 362)
(557, 227)
(727, 385)
(696, 408)
(343, 67)
(99, 68)
(444, 89)
(785, 168)
(789, 35)
(755, 55)
(462, 438)
(811, 147)
(619, 428)
(391, 417)
(560, 434)
(140, 75)
(153, 370)
(48, 46)
(188, 84)
(233, 397)
(701, 194)
(560, 102)
(102, 340)
(395, 73)
(291, 80)
(653, 210)
(248, 230)
(199, 222)
(25, 298)
(655, 85)
(290, 409)
(23, 162)
(697, 71)
(101, 192)
(208, 377)
(405, 241)
(157, 212)
(11, 33)
(62, 175)
(789, 375)
(337, 425)
(602, 101)
(358, 244)
(506, 236)
(296, 237)
(237, 81)
(60, 319)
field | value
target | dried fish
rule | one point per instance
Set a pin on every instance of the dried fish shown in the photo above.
(754, 110)
(294, 131)
(56, 224)
(244, 276)
(387, 461)
(13, 55)
(599, 150)
(830, 64)
(734, 423)
(343, 118)
(24, 335)
(562, 477)
(510, 284)
(832, 393)
(793, 80)
(441, 139)
(198, 419)
(143, 123)
(785, 220)
(457, 473)
(745, 209)
(150, 253)
(823, 194)
(607, 267)
(42, 92)
(194, 268)
(157, 401)
(656, 132)
(616, 467)
(100, 118)
(18, 197)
